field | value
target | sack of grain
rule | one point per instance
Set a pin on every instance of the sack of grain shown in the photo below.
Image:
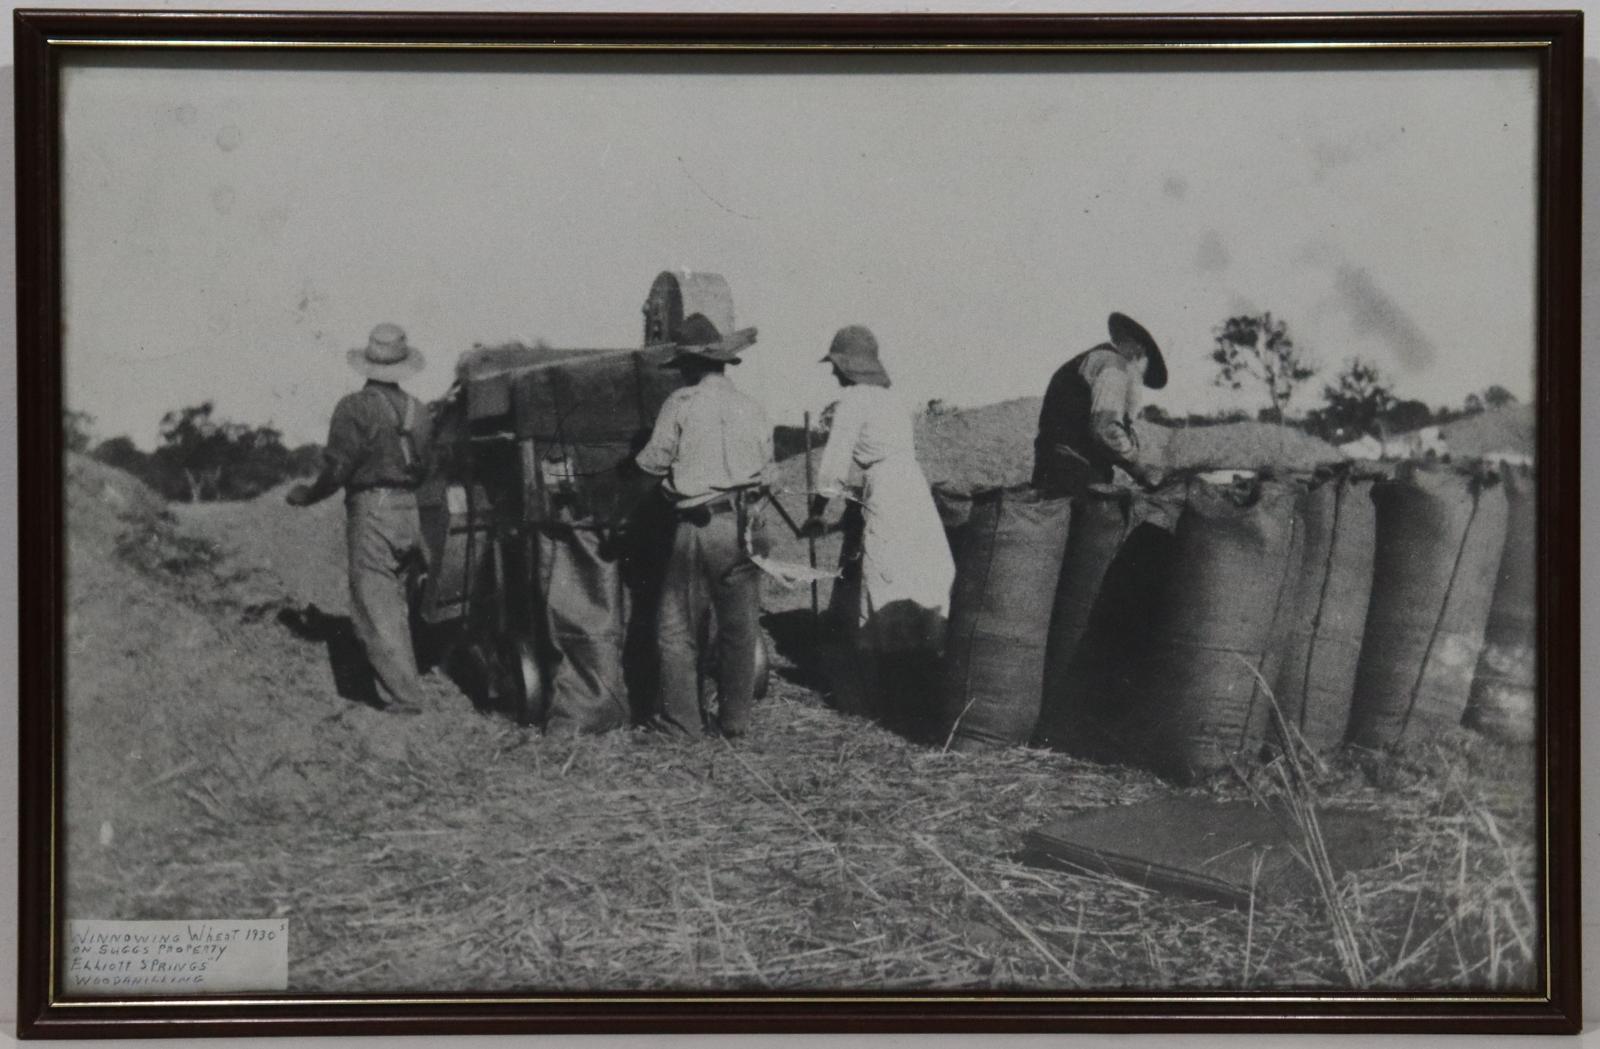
(1000, 616)
(1440, 531)
(1504, 686)
(1329, 614)
(1078, 655)
(581, 627)
(1196, 699)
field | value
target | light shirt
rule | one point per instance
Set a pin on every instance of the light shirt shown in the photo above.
(870, 424)
(1114, 402)
(708, 439)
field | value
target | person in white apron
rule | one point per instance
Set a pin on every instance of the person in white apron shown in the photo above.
(888, 611)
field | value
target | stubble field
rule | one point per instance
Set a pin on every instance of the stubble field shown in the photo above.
(212, 771)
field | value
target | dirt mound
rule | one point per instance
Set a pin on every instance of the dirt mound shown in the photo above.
(967, 449)
(102, 501)
(1241, 445)
(302, 548)
(1511, 428)
(187, 699)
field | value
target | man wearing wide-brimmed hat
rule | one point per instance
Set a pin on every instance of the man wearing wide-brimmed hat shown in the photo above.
(712, 449)
(376, 444)
(1086, 422)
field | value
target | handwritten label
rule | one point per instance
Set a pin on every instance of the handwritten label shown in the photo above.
(176, 957)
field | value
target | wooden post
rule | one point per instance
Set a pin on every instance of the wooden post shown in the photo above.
(811, 542)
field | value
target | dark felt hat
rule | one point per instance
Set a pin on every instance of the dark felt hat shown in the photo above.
(854, 351)
(1125, 331)
(699, 337)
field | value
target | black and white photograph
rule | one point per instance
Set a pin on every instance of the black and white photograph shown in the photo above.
(597, 522)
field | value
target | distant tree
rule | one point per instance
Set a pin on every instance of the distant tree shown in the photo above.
(123, 454)
(1406, 416)
(1358, 399)
(218, 459)
(196, 446)
(76, 428)
(258, 462)
(1498, 396)
(305, 460)
(1257, 351)
(120, 452)
(1473, 405)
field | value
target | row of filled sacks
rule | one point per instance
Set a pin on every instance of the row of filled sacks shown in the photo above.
(1179, 630)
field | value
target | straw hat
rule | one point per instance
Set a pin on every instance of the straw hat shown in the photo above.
(387, 356)
(699, 338)
(1127, 332)
(854, 351)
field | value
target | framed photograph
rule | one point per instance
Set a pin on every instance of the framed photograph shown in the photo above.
(598, 523)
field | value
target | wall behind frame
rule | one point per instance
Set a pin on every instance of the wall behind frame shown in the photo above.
(1590, 763)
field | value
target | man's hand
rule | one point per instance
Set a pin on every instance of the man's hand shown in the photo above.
(1148, 477)
(299, 495)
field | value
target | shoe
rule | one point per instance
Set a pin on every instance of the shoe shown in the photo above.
(727, 731)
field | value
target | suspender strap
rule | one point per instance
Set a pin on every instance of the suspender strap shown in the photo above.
(404, 418)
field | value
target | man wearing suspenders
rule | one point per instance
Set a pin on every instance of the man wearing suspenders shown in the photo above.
(376, 444)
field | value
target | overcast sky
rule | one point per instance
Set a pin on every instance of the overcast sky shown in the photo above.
(230, 232)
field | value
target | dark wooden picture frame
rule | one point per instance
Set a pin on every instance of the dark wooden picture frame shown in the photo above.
(45, 39)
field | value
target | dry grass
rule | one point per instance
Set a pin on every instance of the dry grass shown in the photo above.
(455, 851)
(1488, 905)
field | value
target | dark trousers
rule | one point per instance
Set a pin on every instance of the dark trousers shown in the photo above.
(384, 536)
(708, 578)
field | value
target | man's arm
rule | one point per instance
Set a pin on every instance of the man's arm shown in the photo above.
(1108, 421)
(769, 458)
(838, 455)
(661, 451)
(339, 457)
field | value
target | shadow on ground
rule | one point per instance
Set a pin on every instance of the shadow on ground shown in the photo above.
(898, 690)
(797, 642)
(352, 674)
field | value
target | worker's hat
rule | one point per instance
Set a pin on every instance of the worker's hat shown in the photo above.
(699, 338)
(387, 356)
(854, 351)
(1129, 333)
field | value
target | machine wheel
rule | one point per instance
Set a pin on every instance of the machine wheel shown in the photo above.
(524, 690)
(763, 668)
(518, 679)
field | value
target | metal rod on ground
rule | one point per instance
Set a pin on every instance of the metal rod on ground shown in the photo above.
(811, 542)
